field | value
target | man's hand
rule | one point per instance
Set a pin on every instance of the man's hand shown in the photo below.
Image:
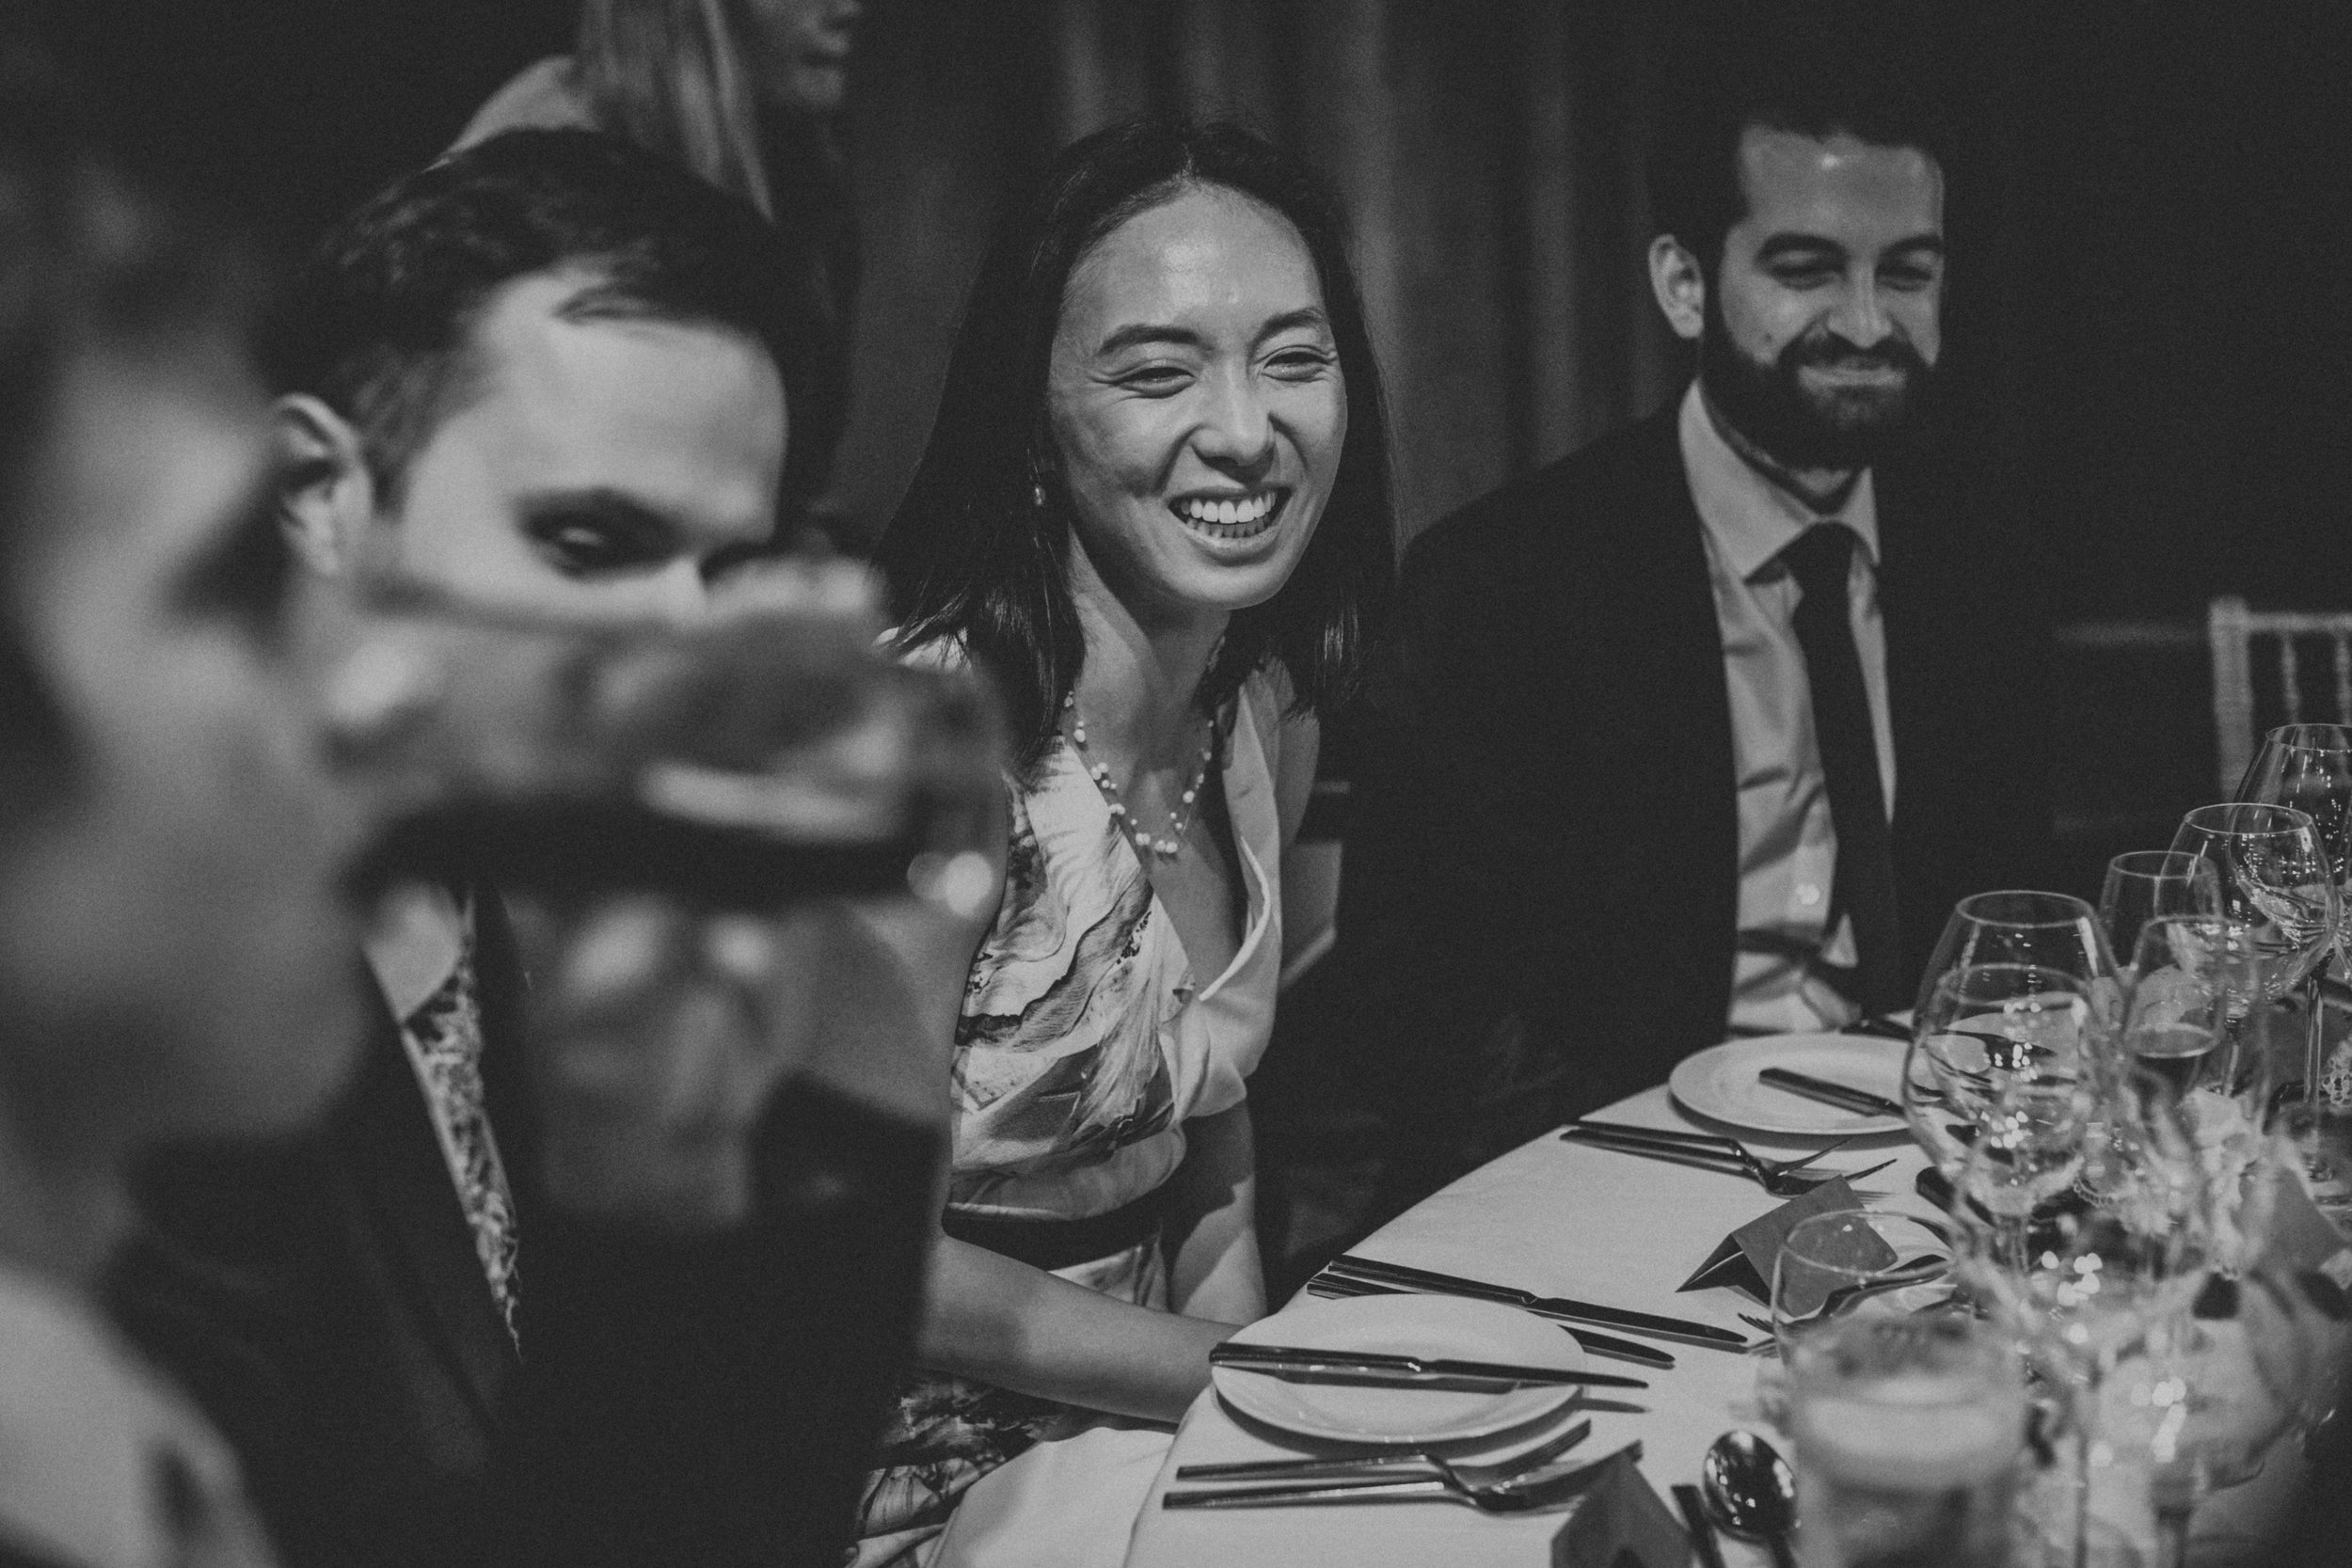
(671, 994)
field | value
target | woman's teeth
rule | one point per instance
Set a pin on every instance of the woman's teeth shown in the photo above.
(1231, 519)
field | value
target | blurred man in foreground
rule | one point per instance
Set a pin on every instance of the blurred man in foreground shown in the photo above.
(620, 1275)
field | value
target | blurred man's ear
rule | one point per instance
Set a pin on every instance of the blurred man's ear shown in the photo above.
(1680, 284)
(326, 494)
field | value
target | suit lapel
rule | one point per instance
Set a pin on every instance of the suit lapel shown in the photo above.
(406, 1182)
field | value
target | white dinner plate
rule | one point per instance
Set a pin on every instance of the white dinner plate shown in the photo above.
(1721, 1083)
(1412, 1325)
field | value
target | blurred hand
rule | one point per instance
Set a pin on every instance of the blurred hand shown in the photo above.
(673, 993)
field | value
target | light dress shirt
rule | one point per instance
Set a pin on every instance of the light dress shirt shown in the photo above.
(101, 1463)
(1787, 848)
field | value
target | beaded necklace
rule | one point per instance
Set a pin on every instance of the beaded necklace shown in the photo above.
(1179, 819)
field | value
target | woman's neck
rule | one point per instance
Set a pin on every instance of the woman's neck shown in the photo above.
(1142, 675)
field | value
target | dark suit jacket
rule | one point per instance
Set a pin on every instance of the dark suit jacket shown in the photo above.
(1539, 898)
(690, 1400)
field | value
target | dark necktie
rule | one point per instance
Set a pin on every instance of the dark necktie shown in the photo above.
(1864, 886)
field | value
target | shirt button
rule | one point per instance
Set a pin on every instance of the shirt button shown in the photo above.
(1808, 894)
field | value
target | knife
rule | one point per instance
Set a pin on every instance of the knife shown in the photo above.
(1592, 1341)
(1387, 1367)
(1694, 1155)
(1844, 1096)
(1545, 1307)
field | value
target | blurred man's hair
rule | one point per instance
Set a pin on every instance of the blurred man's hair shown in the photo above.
(1866, 67)
(379, 322)
(95, 257)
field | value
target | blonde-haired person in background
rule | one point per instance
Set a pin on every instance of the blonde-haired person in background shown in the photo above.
(742, 94)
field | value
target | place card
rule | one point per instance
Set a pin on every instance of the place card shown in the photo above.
(1745, 1257)
(1621, 1522)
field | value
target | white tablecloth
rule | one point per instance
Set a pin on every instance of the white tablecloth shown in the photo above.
(1561, 1219)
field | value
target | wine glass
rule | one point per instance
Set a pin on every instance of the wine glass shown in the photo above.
(2100, 1280)
(1997, 954)
(2309, 766)
(2042, 930)
(2275, 876)
(2142, 884)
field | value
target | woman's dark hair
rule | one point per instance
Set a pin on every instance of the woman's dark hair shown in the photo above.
(972, 558)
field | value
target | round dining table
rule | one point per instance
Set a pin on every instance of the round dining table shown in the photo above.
(1572, 1219)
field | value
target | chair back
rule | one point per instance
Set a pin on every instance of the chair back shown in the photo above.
(2302, 689)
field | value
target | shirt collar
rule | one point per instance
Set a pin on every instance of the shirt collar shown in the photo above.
(1750, 518)
(81, 1428)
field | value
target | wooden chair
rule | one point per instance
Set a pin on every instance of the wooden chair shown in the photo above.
(2231, 629)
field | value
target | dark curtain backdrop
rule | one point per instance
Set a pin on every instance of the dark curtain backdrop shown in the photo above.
(2149, 343)
(2151, 320)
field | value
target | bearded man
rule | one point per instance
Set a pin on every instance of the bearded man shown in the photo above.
(1701, 731)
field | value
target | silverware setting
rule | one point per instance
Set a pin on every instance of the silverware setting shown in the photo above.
(1843, 1096)
(1343, 1286)
(1306, 1363)
(1525, 1493)
(1700, 1528)
(1765, 1171)
(1389, 1460)
(1397, 1276)
(1710, 1154)
(1751, 1493)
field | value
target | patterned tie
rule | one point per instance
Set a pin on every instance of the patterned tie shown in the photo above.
(1863, 887)
(444, 1038)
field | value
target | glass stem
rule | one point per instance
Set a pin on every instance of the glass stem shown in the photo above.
(2314, 1032)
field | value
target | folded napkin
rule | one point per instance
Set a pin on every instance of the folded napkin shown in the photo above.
(1744, 1258)
(1620, 1522)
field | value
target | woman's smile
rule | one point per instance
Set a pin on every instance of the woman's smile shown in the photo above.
(1240, 514)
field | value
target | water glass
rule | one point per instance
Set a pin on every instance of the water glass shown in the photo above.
(2144, 884)
(1909, 1430)
(1858, 1262)
(2275, 876)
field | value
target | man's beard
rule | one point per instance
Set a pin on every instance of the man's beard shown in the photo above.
(1841, 429)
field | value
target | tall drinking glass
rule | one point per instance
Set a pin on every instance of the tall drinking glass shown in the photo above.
(2144, 884)
(1909, 1430)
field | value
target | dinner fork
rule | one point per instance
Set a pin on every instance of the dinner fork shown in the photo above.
(1315, 1469)
(1519, 1494)
(1761, 1168)
(1780, 1184)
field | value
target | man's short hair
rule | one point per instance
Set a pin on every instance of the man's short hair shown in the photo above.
(1864, 67)
(378, 324)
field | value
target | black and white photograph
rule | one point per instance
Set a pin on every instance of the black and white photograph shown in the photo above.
(1175, 784)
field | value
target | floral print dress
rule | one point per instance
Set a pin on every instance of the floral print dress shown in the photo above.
(1086, 1042)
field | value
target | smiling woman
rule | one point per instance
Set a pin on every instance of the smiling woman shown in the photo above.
(1155, 504)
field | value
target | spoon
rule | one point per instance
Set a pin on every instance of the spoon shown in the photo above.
(1751, 1493)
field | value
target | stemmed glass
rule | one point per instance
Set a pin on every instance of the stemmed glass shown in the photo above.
(2275, 876)
(2100, 1282)
(2022, 976)
(2144, 884)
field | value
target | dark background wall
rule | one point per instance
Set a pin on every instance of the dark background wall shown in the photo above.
(2150, 318)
